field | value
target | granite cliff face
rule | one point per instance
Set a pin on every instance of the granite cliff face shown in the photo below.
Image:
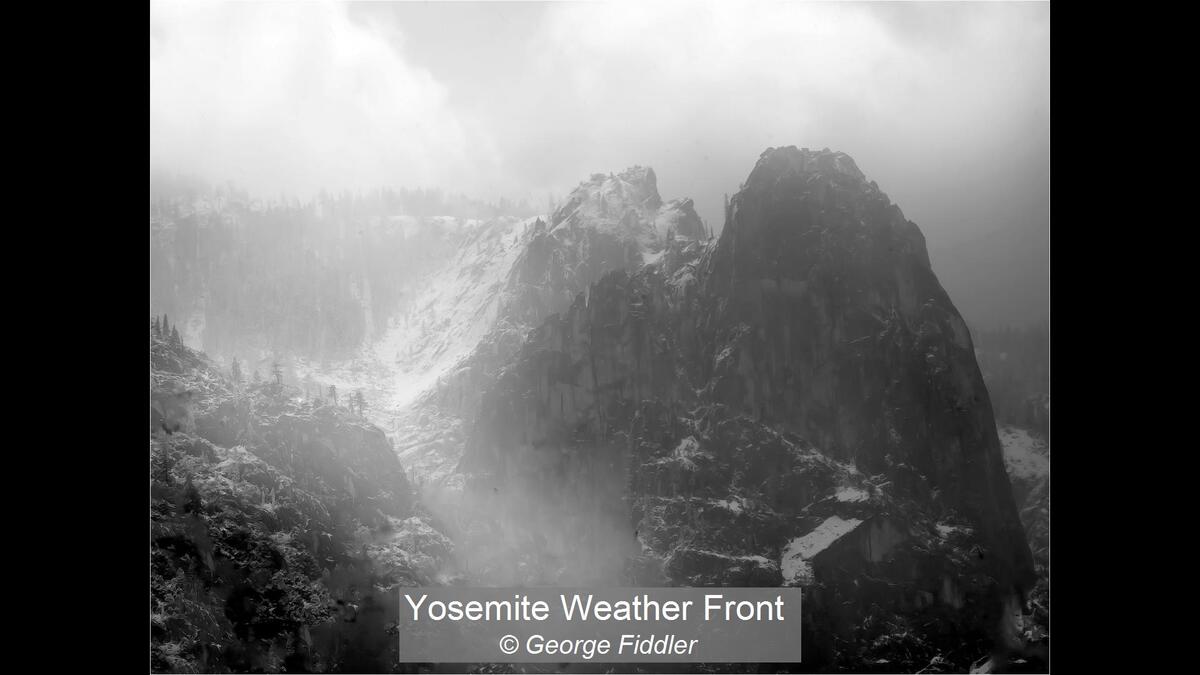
(795, 403)
(853, 343)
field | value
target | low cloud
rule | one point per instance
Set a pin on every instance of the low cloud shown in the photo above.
(297, 97)
(945, 105)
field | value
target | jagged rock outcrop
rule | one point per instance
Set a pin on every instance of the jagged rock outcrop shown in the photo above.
(797, 402)
(678, 218)
(609, 222)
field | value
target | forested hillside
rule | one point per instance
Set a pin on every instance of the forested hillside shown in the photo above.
(280, 527)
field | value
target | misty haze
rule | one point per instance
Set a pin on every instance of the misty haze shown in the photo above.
(498, 294)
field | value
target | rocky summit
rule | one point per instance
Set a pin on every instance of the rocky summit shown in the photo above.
(794, 403)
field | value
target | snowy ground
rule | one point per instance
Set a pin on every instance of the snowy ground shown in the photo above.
(851, 495)
(795, 562)
(1026, 455)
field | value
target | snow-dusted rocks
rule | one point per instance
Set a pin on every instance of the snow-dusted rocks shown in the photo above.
(1027, 459)
(798, 555)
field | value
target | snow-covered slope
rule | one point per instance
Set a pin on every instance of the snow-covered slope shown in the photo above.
(1026, 455)
(1027, 461)
(451, 311)
(423, 375)
(441, 319)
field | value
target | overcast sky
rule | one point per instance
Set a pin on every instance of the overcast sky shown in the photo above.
(945, 105)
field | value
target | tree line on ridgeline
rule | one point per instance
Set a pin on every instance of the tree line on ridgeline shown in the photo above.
(162, 328)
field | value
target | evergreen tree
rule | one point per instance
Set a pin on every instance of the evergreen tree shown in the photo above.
(362, 403)
(175, 335)
(166, 327)
(157, 327)
(236, 371)
(333, 393)
(277, 373)
(257, 377)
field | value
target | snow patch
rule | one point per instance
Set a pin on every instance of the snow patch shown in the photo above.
(756, 559)
(1025, 455)
(443, 319)
(688, 447)
(851, 495)
(797, 556)
(734, 504)
(651, 257)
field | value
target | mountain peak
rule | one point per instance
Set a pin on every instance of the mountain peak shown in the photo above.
(637, 184)
(776, 164)
(611, 196)
(824, 181)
